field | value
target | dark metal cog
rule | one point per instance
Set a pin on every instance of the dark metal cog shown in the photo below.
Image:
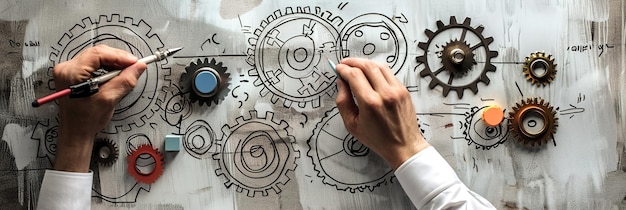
(224, 78)
(533, 122)
(457, 57)
(105, 152)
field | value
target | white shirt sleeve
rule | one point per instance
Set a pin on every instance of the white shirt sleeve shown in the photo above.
(431, 183)
(65, 190)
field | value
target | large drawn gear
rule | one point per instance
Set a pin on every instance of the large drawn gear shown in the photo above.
(256, 154)
(133, 36)
(302, 76)
(140, 153)
(105, 152)
(522, 122)
(187, 77)
(542, 61)
(458, 59)
(341, 160)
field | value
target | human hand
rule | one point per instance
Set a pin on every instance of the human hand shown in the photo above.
(383, 117)
(82, 118)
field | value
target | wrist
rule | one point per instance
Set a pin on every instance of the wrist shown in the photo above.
(73, 151)
(400, 155)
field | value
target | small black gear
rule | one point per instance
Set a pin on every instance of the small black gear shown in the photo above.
(105, 152)
(224, 81)
(457, 57)
(524, 126)
(539, 60)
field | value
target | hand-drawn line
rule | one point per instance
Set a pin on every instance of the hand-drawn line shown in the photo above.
(456, 58)
(210, 56)
(364, 35)
(306, 120)
(136, 188)
(47, 148)
(302, 75)
(478, 133)
(186, 80)
(401, 18)
(132, 36)
(413, 88)
(244, 29)
(341, 160)
(581, 97)
(487, 99)
(209, 40)
(342, 5)
(519, 89)
(256, 154)
(177, 106)
(198, 139)
(572, 111)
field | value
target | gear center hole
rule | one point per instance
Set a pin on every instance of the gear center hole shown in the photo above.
(145, 164)
(539, 68)
(104, 152)
(533, 123)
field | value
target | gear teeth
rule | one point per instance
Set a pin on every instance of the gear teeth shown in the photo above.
(429, 34)
(480, 30)
(467, 21)
(452, 20)
(536, 105)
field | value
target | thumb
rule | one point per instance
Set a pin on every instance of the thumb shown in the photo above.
(345, 104)
(127, 80)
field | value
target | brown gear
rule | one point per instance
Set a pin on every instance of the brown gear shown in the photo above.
(539, 59)
(462, 65)
(104, 152)
(537, 107)
(140, 176)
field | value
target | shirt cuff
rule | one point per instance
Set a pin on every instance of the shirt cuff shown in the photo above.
(425, 175)
(65, 190)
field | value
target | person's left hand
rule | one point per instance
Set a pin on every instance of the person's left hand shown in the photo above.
(82, 118)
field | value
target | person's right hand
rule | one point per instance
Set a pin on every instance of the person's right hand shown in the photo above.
(82, 118)
(383, 117)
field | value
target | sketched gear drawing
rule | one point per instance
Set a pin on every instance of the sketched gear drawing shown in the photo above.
(256, 154)
(539, 68)
(105, 152)
(130, 35)
(186, 81)
(533, 122)
(457, 57)
(478, 133)
(341, 160)
(302, 75)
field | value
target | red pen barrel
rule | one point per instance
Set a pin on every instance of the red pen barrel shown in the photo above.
(51, 97)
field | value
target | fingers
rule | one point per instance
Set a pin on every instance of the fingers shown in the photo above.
(358, 82)
(345, 103)
(372, 71)
(99, 56)
(121, 85)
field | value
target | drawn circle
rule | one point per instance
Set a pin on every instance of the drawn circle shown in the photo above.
(124, 34)
(375, 37)
(256, 154)
(198, 139)
(134, 141)
(341, 160)
(50, 140)
(479, 133)
(301, 42)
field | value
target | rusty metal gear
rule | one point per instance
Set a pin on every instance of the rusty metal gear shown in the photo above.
(539, 68)
(105, 152)
(457, 58)
(213, 66)
(141, 158)
(533, 122)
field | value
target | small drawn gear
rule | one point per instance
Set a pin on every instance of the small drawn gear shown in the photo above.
(478, 133)
(142, 155)
(302, 76)
(534, 63)
(457, 58)
(256, 154)
(533, 122)
(342, 161)
(224, 78)
(130, 35)
(105, 152)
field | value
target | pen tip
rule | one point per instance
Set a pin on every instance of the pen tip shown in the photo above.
(174, 50)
